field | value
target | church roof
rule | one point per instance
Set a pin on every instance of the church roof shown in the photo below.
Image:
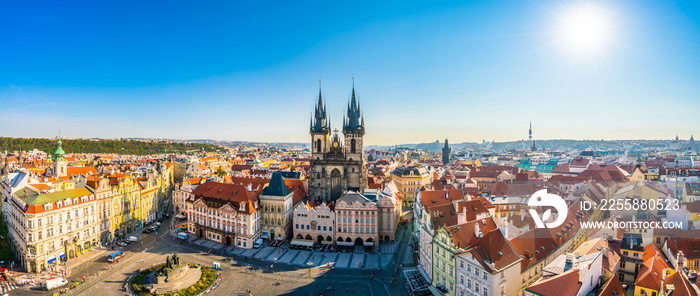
(277, 187)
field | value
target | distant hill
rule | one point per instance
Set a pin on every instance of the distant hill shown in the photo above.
(121, 146)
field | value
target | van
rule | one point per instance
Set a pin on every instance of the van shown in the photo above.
(183, 235)
(54, 283)
(258, 243)
(133, 239)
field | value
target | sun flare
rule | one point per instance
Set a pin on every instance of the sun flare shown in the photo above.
(585, 30)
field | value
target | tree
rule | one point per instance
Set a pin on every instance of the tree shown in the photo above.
(219, 172)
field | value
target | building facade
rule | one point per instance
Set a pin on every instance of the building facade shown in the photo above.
(277, 209)
(51, 227)
(315, 220)
(225, 213)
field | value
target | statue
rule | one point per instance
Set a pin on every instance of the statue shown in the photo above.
(171, 271)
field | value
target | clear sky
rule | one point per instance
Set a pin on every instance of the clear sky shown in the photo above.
(424, 70)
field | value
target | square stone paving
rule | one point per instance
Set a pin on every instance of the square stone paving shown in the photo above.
(275, 253)
(289, 256)
(302, 258)
(356, 259)
(250, 252)
(343, 260)
(385, 259)
(372, 261)
(262, 253)
(330, 257)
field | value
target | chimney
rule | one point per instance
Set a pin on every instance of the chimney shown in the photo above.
(582, 274)
(569, 258)
(679, 261)
(606, 252)
(664, 274)
(447, 195)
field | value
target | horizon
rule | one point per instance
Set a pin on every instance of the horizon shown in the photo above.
(469, 72)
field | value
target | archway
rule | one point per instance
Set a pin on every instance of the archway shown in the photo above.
(71, 254)
(359, 242)
(308, 237)
(319, 238)
(352, 145)
(348, 240)
(328, 238)
(340, 239)
(201, 233)
(335, 184)
(386, 238)
(228, 240)
(369, 240)
(272, 233)
(299, 236)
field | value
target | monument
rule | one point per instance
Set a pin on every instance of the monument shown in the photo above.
(172, 276)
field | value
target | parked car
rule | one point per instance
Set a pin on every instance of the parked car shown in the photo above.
(148, 230)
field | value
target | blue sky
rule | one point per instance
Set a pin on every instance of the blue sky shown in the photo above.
(467, 71)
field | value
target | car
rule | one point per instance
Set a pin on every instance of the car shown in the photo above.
(148, 230)
(258, 243)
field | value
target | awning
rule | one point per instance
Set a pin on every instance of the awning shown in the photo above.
(279, 238)
(345, 243)
(369, 243)
(51, 259)
(265, 234)
(62, 256)
(302, 242)
(180, 216)
(435, 291)
(325, 242)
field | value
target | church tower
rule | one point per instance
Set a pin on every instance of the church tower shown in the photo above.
(354, 132)
(337, 163)
(320, 130)
(446, 151)
(60, 165)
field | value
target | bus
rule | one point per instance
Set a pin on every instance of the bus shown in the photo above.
(115, 256)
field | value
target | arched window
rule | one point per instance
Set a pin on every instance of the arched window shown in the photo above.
(352, 146)
(318, 145)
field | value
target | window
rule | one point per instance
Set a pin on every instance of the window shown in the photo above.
(469, 283)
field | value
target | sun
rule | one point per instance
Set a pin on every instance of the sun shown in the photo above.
(585, 30)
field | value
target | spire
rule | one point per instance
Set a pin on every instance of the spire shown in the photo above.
(59, 150)
(354, 113)
(319, 120)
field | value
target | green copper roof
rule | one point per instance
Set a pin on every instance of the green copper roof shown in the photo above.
(32, 198)
(59, 151)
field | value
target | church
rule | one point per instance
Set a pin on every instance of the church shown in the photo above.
(337, 165)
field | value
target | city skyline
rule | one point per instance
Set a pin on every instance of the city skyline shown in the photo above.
(464, 71)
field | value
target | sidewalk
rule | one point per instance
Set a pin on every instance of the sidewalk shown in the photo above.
(68, 267)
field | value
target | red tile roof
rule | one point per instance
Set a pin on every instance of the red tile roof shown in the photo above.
(565, 284)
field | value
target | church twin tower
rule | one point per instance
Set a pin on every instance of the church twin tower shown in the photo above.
(336, 166)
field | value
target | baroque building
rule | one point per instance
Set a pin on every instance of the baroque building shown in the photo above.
(337, 166)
